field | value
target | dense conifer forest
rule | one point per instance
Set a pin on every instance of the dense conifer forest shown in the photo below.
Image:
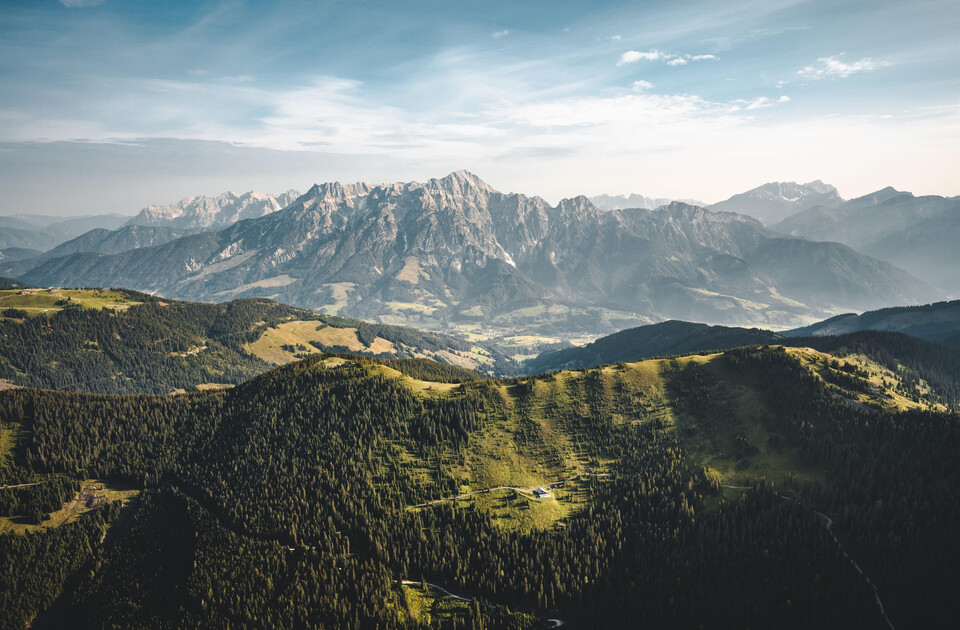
(761, 487)
(155, 345)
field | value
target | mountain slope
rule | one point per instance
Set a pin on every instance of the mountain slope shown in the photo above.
(917, 234)
(453, 253)
(14, 254)
(774, 202)
(305, 498)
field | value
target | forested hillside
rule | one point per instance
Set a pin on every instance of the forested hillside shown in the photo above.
(915, 362)
(127, 342)
(761, 487)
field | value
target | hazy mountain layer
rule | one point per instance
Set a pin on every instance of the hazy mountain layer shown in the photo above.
(45, 232)
(918, 234)
(633, 200)
(774, 202)
(663, 339)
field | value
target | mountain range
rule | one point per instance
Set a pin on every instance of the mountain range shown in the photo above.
(455, 254)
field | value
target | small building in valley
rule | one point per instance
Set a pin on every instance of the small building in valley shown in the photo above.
(541, 493)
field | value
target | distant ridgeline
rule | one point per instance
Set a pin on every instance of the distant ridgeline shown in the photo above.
(930, 351)
(12, 283)
(122, 341)
(759, 487)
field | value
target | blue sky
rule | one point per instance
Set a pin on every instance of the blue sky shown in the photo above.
(111, 105)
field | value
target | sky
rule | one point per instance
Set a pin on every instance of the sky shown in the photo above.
(111, 105)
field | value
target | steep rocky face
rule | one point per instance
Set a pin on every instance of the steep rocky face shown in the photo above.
(918, 234)
(455, 253)
(212, 213)
(773, 202)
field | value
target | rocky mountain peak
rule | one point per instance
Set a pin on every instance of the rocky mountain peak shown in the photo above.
(577, 206)
(463, 181)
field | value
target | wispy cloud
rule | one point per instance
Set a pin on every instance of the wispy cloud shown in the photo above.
(759, 103)
(341, 116)
(79, 4)
(633, 56)
(499, 34)
(238, 78)
(834, 67)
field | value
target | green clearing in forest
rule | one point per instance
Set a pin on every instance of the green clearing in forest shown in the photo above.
(42, 301)
(93, 494)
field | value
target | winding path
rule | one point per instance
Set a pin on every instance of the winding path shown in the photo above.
(436, 588)
(22, 485)
(828, 523)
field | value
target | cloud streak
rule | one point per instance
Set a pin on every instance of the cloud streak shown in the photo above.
(80, 4)
(834, 68)
(633, 56)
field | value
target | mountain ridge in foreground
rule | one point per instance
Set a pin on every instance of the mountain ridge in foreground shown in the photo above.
(308, 497)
